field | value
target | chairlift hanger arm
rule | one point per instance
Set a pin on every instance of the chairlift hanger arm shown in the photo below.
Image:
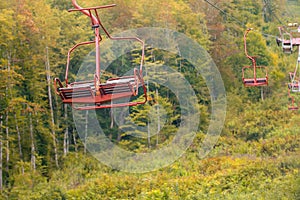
(245, 46)
(97, 22)
(282, 30)
(87, 11)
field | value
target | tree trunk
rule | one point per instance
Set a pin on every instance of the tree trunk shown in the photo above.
(1, 156)
(19, 142)
(111, 118)
(74, 139)
(19, 138)
(122, 118)
(33, 158)
(66, 138)
(158, 118)
(68, 143)
(7, 141)
(51, 108)
(149, 135)
(86, 129)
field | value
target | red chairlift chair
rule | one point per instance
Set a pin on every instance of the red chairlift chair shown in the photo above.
(253, 80)
(93, 94)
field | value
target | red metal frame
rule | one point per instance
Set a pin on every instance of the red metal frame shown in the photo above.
(292, 105)
(253, 81)
(93, 94)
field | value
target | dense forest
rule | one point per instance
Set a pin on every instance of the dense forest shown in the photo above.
(43, 151)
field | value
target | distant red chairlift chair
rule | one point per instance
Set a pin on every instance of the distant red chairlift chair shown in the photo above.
(295, 77)
(295, 82)
(92, 94)
(254, 80)
(287, 43)
(293, 86)
(287, 40)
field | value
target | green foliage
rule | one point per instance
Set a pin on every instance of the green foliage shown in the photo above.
(256, 156)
